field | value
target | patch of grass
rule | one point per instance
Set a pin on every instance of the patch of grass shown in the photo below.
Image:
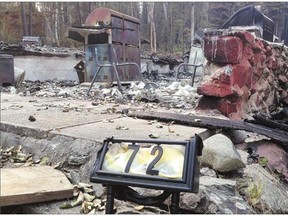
(254, 190)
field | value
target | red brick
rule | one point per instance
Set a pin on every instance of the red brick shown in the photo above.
(242, 75)
(216, 89)
(223, 49)
(245, 36)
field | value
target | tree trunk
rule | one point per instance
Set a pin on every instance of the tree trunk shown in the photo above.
(30, 18)
(192, 23)
(79, 14)
(65, 14)
(165, 11)
(153, 41)
(56, 16)
(23, 19)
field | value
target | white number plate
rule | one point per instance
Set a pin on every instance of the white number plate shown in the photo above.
(163, 160)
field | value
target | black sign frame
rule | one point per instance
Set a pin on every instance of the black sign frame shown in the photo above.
(189, 182)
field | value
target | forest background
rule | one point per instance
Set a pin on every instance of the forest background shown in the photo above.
(169, 26)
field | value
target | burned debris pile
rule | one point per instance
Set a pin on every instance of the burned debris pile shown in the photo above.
(246, 74)
(35, 50)
(178, 95)
(160, 67)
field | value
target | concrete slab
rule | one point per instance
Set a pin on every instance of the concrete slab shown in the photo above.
(49, 112)
(136, 129)
(83, 120)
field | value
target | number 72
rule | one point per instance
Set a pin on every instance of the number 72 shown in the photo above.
(150, 170)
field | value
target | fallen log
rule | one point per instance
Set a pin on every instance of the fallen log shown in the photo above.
(276, 134)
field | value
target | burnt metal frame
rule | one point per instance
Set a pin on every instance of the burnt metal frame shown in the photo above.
(114, 64)
(194, 71)
(188, 183)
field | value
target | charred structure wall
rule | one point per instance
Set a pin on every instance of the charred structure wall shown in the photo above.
(246, 74)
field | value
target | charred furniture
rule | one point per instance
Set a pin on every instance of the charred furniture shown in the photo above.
(111, 40)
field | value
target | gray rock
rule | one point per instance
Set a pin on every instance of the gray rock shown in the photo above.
(7, 139)
(244, 156)
(75, 177)
(208, 172)
(265, 193)
(77, 160)
(123, 207)
(49, 208)
(236, 136)
(220, 154)
(216, 196)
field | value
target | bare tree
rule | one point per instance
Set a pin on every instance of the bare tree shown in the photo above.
(165, 4)
(23, 19)
(192, 22)
(79, 13)
(152, 27)
(56, 17)
(30, 18)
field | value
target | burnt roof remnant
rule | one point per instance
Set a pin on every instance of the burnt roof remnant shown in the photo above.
(250, 16)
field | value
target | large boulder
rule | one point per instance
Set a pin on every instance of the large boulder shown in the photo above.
(220, 154)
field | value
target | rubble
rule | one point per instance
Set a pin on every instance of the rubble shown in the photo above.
(18, 49)
(230, 95)
(178, 95)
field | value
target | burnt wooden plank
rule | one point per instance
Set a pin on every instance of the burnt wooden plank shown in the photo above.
(32, 185)
(264, 120)
(215, 123)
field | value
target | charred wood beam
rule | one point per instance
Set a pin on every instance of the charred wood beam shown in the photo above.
(215, 123)
(264, 120)
(102, 27)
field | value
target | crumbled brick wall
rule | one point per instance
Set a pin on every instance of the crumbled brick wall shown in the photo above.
(247, 74)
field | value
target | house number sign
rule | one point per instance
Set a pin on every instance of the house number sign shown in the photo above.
(161, 165)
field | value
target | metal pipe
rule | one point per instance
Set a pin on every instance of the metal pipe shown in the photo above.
(195, 67)
(110, 200)
(128, 63)
(175, 202)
